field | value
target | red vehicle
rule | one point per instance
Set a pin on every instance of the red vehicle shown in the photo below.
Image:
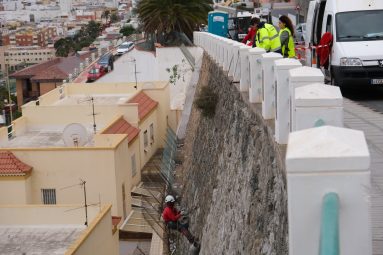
(96, 72)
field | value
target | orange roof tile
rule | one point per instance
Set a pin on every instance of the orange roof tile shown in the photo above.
(116, 220)
(145, 104)
(12, 166)
(121, 126)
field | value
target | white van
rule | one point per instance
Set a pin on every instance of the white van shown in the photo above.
(357, 28)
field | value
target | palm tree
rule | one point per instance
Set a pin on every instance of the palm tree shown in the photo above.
(106, 15)
(167, 16)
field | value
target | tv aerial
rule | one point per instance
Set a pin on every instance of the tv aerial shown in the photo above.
(75, 135)
(86, 205)
(91, 99)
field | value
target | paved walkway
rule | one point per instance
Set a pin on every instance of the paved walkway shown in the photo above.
(362, 118)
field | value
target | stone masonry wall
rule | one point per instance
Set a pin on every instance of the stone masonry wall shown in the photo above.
(233, 175)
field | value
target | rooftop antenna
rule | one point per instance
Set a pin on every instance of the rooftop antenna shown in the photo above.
(135, 70)
(86, 205)
(91, 99)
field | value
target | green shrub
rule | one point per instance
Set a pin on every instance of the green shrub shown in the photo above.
(206, 101)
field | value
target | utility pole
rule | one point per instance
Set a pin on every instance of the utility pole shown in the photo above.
(85, 204)
(9, 93)
(94, 116)
(135, 72)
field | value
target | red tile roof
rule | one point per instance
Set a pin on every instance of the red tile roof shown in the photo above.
(121, 126)
(116, 220)
(56, 69)
(145, 104)
(12, 166)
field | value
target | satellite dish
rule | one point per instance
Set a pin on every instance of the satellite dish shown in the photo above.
(75, 135)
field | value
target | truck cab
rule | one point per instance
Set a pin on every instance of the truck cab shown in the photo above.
(356, 56)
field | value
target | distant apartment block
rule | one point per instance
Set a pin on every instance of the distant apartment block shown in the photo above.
(37, 163)
(16, 58)
(32, 36)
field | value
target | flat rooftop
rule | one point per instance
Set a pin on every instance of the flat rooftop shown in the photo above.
(43, 138)
(104, 99)
(37, 239)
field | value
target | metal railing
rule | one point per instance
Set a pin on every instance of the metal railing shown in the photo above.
(168, 163)
(329, 233)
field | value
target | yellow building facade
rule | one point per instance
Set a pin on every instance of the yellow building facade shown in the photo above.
(130, 127)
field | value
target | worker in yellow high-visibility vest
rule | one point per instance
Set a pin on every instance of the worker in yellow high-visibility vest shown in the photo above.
(286, 35)
(267, 37)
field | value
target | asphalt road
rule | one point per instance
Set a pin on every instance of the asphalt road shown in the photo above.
(371, 97)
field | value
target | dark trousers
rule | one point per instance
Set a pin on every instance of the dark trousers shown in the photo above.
(183, 228)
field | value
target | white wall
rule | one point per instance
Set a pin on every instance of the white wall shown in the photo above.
(169, 57)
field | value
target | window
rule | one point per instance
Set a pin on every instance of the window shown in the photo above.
(134, 166)
(48, 196)
(329, 24)
(151, 133)
(351, 26)
(146, 138)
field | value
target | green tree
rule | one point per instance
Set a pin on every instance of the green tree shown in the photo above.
(168, 16)
(127, 30)
(63, 47)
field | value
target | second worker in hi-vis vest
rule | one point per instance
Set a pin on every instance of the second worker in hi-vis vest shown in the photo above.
(267, 37)
(286, 35)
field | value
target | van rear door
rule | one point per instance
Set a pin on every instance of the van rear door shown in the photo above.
(310, 19)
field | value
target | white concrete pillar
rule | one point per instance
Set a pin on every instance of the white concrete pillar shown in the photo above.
(213, 47)
(299, 77)
(195, 38)
(221, 45)
(245, 68)
(255, 90)
(268, 86)
(234, 57)
(327, 160)
(317, 105)
(228, 54)
(282, 97)
(237, 62)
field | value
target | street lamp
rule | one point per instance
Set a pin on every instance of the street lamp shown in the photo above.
(9, 92)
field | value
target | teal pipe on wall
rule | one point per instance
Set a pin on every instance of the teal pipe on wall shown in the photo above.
(329, 233)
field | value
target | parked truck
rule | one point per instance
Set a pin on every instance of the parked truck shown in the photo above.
(355, 55)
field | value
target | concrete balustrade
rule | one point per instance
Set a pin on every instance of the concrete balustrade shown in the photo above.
(321, 161)
(324, 165)
(299, 77)
(268, 87)
(244, 82)
(316, 105)
(282, 97)
(255, 87)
